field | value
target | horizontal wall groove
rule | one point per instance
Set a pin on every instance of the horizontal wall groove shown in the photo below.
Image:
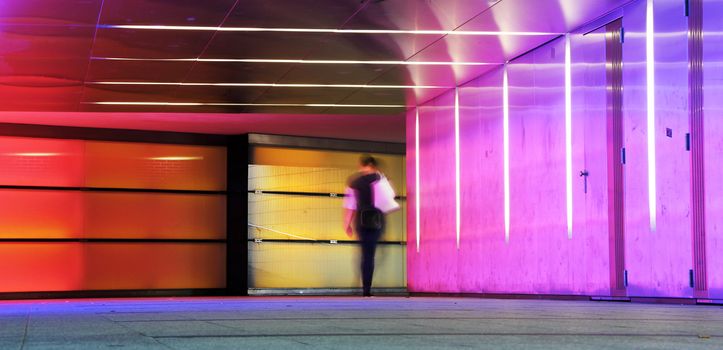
(309, 194)
(108, 189)
(320, 241)
(112, 240)
(124, 293)
(118, 135)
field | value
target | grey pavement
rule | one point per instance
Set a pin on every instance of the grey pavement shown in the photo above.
(355, 323)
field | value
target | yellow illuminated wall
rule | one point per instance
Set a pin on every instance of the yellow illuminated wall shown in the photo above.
(321, 265)
(304, 219)
(344, 163)
(310, 217)
(48, 226)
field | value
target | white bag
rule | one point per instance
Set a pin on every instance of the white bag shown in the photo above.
(384, 195)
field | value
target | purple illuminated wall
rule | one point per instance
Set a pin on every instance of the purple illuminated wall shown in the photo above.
(541, 256)
(659, 261)
(713, 142)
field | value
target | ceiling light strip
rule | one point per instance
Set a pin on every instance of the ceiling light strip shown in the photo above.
(295, 61)
(651, 130)
(351, 86)
(223, 104)
(568, 134)
(328, 30)
(417, 184)
(506, 148)
(457, 162)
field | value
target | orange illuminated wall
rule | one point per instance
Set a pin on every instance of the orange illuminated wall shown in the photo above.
(40, 214)
(86, 215)
(44, 266)
(173, 167)
(155, 215)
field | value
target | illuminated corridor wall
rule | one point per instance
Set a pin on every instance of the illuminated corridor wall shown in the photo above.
(534, 146)
(88, 215)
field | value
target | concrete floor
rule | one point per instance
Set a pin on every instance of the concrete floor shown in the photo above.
(355, 323)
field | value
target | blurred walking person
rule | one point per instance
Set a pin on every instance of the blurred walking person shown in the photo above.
(368, 198)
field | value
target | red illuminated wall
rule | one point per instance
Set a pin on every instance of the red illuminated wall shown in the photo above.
(80, 215)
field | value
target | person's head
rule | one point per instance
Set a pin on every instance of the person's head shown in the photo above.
(368, 163)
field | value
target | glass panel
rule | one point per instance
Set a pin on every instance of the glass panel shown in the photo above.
(273, 216)
(155, 166)
(319, 265)
(299, 265)
(41, 162)
(36, 267)
(41, 214)
(298, 179)
(346, 162)
(75, 214)
(41, 267)
(155, 215)
(154, 266)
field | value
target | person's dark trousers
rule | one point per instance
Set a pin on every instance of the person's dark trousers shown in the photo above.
(369, 239)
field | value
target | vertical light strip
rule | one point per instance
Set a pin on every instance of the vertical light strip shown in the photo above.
(650, 65)
(416, 176)
(506, 131)
(457, 185)
(568, 132)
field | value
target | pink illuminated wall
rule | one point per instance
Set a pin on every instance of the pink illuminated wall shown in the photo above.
(481, 182)
(542, 256)
(437, 190)
(537, 171)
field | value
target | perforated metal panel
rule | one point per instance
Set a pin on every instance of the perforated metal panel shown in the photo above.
(296, 230)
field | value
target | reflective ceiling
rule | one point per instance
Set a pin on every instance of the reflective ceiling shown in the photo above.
(271, 56)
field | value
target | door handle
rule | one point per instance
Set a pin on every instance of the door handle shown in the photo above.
(584, 174)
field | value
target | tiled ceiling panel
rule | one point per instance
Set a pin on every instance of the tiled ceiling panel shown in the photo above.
(169, 109)
(263, 45)
(45, 41)
(459, 12)
(333, 74)
(166, 12)
(137, 71)
(42, 71)
(307, 95)
(76, 12)
(120, 93)
(406, 15)
(283, 110)
(218, 94)
(40, 97)
(380, 126)
(234, 72)
(128, 43)
(381, 96)
(292, 13)
(370, 47)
